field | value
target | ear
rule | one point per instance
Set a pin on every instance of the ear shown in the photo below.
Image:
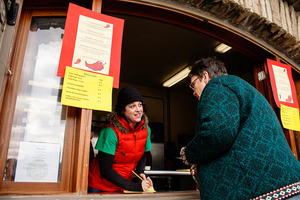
(206, 77)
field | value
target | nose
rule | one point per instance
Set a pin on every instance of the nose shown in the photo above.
(139, 108)
(194, 93)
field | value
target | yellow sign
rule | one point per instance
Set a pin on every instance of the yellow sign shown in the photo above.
(87, 90)
(290, 117)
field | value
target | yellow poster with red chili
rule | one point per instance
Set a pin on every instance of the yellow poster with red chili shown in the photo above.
(88, 90)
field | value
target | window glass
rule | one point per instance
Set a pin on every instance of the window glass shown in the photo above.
(37, 136)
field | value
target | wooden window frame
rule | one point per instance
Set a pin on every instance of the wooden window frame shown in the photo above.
(74, 169)
(76, 150)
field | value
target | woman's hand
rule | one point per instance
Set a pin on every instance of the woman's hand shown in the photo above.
(146, 183)
(148, 179)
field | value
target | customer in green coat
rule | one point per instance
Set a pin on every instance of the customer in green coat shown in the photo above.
(239, 147)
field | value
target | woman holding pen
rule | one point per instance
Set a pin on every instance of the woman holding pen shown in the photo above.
(122, 144)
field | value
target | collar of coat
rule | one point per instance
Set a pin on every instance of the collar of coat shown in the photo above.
(111, 119)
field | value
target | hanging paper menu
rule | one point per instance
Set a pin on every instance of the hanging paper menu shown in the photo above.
(92, 42)
(282, 83)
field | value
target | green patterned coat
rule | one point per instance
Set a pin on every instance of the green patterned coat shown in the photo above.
(239, 146)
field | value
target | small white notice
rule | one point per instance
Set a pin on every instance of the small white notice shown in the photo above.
(37, 162)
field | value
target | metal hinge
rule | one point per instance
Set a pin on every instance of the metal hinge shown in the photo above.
(7, 68)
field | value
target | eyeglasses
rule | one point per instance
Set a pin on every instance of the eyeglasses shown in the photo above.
(192, 84)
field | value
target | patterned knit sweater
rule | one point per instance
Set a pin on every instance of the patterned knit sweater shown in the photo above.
(239, 146)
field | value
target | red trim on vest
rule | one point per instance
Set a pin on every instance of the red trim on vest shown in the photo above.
(130, 149)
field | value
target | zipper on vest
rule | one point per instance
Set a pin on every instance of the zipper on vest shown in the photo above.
(134, 136)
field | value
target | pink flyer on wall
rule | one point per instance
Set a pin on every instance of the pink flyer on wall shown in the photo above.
(282, 83)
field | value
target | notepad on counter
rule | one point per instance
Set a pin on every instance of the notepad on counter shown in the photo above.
(149, 190)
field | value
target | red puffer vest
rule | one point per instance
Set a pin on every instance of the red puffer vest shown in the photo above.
(130, 149)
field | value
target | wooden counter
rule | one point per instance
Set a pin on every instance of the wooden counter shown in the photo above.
(170, 195)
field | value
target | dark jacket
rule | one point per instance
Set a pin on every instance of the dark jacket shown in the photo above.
(239, 146)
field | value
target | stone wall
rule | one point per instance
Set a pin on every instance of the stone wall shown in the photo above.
(276, 22)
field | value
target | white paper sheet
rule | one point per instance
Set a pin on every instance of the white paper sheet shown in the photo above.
(37, 162)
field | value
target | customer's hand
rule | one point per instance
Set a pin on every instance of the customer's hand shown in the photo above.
(183, 157)
(182, 150)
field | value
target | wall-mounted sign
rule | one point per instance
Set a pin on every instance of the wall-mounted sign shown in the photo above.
(282, 83)
(92, 42)
(290, 118)
(88, 90)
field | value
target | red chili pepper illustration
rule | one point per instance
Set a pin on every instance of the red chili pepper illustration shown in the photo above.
(97, 66)
(77, 61)
(289, 99)
(107, 26)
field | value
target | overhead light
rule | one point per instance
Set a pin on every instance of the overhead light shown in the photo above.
(177, 77)
(222, 48)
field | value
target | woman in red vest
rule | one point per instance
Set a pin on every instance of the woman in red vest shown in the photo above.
(122, 144)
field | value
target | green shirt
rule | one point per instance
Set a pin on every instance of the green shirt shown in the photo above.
(108, 141)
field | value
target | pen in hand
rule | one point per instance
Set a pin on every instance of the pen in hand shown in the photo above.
(137, 175)
(150, 189)
(142, 180)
